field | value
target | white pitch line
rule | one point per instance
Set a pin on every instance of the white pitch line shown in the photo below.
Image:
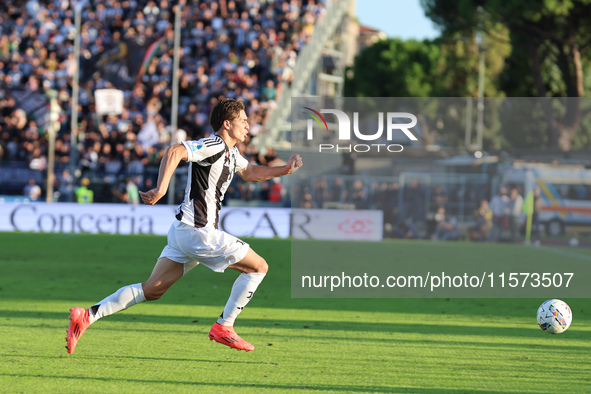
(565, 253)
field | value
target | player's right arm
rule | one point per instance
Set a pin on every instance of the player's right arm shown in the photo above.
(169, 163)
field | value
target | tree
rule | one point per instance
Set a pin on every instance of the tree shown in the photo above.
(395, 68)
(444, 67)
(550, 39)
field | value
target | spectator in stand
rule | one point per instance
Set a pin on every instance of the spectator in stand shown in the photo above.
(499, 206)
(127, 191)
(338, 192)
(276, 193)
(447, 226)
(515, 208)
(381, 196)
(414, 201)
(268, 91)
(270, 158)
(438, 198)
(406, 230)
(392, 202)
(359, 195)
(32, 190)
(484, 218)
(307, 201)
(131, 192)
(148, 135)
(66, 186)
(265, 191)
(320, 191)
(83, 194)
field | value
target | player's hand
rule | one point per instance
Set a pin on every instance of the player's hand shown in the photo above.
(295, 163)
(151, 197)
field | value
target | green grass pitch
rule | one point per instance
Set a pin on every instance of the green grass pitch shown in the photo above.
(314, 345)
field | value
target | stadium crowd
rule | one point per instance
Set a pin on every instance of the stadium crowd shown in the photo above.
(240, 49)
(413, 209)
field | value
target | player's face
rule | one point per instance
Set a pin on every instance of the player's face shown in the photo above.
(239, 127)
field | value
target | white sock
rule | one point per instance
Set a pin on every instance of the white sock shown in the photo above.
(122, 299)
(242, 292)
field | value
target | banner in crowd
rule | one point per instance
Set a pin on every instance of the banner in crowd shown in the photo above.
(119, 63)
(322, 224)
(34, 103)
(108, 101)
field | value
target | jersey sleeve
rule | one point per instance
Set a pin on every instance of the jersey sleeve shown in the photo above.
(241, 162)
(203, 149)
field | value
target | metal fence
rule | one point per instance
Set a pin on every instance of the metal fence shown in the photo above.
(409, 196)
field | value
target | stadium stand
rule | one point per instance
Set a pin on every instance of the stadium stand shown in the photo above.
(241, 49)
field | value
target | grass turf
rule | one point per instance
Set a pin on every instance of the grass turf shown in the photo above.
(328, 345)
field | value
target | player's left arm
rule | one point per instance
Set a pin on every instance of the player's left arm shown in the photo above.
(256, 173)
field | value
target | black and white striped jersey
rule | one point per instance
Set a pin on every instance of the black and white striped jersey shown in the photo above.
(212, 166)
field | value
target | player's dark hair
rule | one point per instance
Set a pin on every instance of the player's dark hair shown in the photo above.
(225, 109)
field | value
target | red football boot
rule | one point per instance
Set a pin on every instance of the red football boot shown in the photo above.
(227, 336)
(78, 324)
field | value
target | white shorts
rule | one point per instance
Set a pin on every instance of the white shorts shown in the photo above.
(209, 246)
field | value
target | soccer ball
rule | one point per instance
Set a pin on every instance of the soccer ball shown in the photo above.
(554, 316)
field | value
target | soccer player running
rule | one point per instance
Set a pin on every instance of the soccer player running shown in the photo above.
(194, 237)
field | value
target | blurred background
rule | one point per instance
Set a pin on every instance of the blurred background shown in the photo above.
(93, 92)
